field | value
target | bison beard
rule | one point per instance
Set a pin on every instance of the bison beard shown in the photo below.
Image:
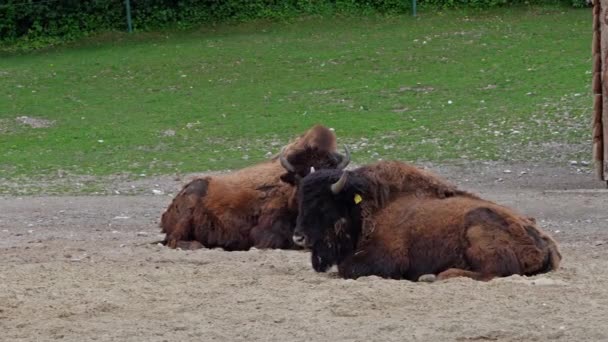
(338, 244)
(323, 257)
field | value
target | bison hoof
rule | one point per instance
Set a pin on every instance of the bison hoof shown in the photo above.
(189, 245)
(172, 244)
(427, 278)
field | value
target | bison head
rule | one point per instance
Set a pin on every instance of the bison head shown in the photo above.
(329, 216)
(313, 150)
(302, 162)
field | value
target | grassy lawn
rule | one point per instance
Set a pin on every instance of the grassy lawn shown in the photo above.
(510, 85)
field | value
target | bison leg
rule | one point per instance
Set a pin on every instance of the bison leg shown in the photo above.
(183, 244)
(264, 238)
(176, 221)
(365, 263)
(490, 253)
(457, 272)
(544, 256)
(180, 233)
(273, 232)
(189, 245)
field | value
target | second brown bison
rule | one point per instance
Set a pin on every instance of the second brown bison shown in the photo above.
(393, 220)
(252, 207)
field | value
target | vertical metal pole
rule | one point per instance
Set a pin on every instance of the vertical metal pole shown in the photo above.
(414, 8)
(129, 23)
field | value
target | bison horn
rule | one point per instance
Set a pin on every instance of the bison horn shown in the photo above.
(345, 159)
(285, 163)
(338, 186)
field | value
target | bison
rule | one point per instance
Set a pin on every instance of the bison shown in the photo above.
(393, 220)
(252, 207)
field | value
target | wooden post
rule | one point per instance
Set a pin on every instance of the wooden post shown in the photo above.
(599, 48)
(130, 22)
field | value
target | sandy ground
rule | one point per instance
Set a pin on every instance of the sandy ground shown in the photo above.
(81, 268)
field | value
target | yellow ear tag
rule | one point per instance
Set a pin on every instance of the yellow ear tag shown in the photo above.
(358, 199)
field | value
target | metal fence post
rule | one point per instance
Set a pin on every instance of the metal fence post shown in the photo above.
(414, 8)
(129, 23)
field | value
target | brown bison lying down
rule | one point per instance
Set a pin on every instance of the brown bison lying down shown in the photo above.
(251, 207)
(392, 220)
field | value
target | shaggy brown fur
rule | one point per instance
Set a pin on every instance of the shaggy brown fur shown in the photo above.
(255, 206)
(387, 180)
(410, 223)
(451, 237)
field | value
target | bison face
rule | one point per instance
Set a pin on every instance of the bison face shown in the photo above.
(317, 149)
(299, 163)
(328, 218)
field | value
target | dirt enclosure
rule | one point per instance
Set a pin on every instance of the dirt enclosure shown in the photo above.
(84, 268)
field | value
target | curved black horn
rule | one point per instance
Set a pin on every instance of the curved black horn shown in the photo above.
(338, 186)
(285, 163)
(345, 159)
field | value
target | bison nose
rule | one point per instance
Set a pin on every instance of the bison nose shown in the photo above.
(299, 239)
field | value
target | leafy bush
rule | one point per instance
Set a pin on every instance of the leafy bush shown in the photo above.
(39, 22)
(57, 18)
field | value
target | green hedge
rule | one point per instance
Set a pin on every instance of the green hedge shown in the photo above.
(32, 20)
(69, 18)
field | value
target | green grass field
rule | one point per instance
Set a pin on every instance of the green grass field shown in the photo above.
(510, 84)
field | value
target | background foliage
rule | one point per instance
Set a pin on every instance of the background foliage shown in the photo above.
(36, 23)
